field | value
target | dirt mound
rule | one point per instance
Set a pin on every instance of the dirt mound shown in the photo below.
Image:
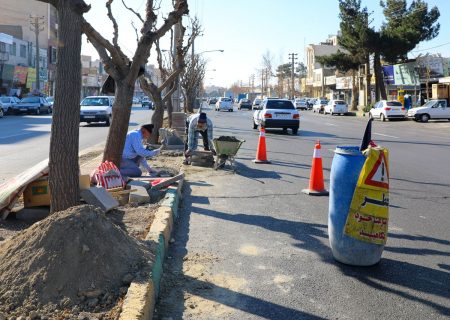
(73, 259)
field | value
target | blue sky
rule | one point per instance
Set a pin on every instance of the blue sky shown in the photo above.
(246, 29)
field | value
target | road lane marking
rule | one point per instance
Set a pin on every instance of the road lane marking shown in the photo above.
(16, 135)
(331, 124)
(386, 135)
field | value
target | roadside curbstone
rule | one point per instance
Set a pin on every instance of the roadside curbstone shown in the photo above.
(141, 297)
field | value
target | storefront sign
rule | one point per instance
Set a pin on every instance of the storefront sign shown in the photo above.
(405, 74)
(388, 73)
(20, 75)
(31, 78)
(344, 83)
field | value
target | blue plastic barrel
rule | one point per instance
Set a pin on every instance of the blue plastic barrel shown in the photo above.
(345, 169)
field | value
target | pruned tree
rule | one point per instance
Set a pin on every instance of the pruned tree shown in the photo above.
(125, 71)
(283, 72)
(192, 79)
(64, 138)
(162, 93)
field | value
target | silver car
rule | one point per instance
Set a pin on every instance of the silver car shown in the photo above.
(7, 103)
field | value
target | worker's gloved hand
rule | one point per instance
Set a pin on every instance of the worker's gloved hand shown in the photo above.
(157, 151)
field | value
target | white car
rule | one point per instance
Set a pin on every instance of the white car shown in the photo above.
(301, 104)
(8, 103)
(433, 109)
(256, 104)
(336, 107)
(224, 103)
(385, 109)
(96, 109)
(277, 113)
(319, 105)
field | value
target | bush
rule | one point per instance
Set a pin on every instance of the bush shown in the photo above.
(367, 108)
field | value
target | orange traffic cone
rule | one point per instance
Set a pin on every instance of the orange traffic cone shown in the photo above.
(261, 154)
(316, 185)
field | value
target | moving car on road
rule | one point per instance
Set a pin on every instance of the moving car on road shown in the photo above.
(277, 113)
(433, 109)
(224, 103)
(212, 101)
(244, 103)
(7, 103)
(146, 102)
(385, 109)
(319, 105)
(336, 107)
(96, 109)
(256, 104)
(32, 104)
(301, 104)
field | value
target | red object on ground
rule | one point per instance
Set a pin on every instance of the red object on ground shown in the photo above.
(316, 185)
(157, 181)
(261, 152)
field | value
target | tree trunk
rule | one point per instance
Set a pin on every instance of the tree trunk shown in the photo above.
(169, 111)
(64, 140)
(355, 93)
(119, 124)
(157, 118)
(380, 90)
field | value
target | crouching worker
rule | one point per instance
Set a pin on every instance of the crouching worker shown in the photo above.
(134, 152)
(198, 124)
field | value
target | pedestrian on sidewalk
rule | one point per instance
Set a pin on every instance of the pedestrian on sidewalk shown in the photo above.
(134, 153)
(198, 124)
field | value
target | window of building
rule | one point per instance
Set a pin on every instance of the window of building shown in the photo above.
(12, 49)
(23, 51)
(2, 47)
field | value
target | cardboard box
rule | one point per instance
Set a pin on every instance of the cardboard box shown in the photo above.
(37, 194)
(85, 181)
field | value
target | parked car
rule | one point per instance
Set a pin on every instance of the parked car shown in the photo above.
(319, 105)
(136, 100)
(212, 101)
(244, 103)
(1, 113)
(96, 109)
(310, 102)
(32, 104)
(387, 110)
(224, 103)
(146, 102)
(7, 103)
(277, 113)
(301, 104)
(336, 107)
(433, 109)
(256, 104)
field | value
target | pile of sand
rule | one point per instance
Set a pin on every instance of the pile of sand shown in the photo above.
(74, 260)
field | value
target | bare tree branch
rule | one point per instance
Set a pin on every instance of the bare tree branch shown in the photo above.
(169, 94)
(170, 79)
(135, 31)
(114, 22)
(136, 13)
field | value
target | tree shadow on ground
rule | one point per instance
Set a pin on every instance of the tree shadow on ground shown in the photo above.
(405, 275)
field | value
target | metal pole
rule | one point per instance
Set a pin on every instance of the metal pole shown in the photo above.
(37, 27)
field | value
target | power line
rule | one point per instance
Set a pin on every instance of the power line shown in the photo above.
(441, 45)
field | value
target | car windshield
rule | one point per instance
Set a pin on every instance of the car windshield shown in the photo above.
(30, 100)
(50, 99)
(95, 102)
(4, 100)
(323, 101)
(226, 99)
(279, 104)
(339, 102)
(394, 104)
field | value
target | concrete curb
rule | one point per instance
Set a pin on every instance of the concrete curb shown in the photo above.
(140, 299)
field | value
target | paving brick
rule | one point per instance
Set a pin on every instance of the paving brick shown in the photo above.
(99, 197)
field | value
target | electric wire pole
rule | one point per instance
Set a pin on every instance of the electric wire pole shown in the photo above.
(292, 57)
(37, 24)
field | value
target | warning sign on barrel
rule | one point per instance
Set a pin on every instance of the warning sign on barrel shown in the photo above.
(369, 210)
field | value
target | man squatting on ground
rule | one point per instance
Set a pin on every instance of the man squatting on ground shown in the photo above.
(195, 124)
(134, 153)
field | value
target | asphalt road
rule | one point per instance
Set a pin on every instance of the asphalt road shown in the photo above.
(25, 140)
(268, 242)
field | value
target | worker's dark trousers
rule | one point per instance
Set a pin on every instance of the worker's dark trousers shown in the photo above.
(204, 137)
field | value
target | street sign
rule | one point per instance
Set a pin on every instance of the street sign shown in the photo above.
(368, 216)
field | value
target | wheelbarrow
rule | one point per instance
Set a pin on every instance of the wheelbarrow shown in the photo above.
(226, 148)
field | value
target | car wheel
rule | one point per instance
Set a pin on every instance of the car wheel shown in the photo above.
(284, 130)
(314, 110)
(255, 126)
(424, 117)
(382, 117)
(108, 121)
(38, 111)
(294, 131)
(48, 111)
(88, 122)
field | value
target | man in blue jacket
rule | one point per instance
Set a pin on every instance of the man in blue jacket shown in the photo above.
(135, 154)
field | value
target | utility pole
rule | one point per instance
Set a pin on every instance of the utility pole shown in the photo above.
(292, 57)
(262, 82)
(176, 95)
(37, 24)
